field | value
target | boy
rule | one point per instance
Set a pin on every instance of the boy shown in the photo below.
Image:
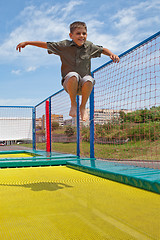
(76, 63)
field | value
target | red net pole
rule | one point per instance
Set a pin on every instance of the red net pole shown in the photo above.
(48, 137)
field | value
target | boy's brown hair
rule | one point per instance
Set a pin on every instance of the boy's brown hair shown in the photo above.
(77, 24)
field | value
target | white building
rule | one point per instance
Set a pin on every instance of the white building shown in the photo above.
(103, 116)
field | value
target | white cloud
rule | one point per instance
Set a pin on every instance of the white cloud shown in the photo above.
(38, 24)
(69, 7)
(43, 23)
(31, 69)
(51, 23)
(136, 23)
(28, 69)
(138, 15)
(16, 72)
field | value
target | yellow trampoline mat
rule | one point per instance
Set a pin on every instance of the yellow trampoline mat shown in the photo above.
(61, 203)
(16, 155)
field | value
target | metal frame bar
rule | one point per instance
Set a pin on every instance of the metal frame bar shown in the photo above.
(48, 136)
(34, 128)
(92, 123)
(17, 107)
(78, 128)
(50, 123)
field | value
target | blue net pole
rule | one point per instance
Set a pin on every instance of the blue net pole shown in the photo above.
(78, 128)
(92, 124)
(34, 128)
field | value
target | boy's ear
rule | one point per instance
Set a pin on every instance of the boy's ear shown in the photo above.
(70, 34)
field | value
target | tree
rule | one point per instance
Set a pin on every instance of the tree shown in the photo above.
(142, 115)
(55, 125)
(122, 115)
(69, 131)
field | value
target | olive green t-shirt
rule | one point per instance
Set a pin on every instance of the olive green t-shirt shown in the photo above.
(75, 58)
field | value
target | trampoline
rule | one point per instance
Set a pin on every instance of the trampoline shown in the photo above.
(145, 178)
(58, 202)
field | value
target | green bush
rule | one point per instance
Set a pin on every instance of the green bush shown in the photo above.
(139, 125)
(148, 131)
(55, 125)
(133, 131)
(69, 131)
(141, 116)
(85, 133)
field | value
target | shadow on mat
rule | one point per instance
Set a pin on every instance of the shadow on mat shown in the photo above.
(40, 186)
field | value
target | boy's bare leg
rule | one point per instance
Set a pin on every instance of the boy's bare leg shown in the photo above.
(86, 91)
(72, 86)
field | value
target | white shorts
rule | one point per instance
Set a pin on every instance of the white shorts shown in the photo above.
(80, 80)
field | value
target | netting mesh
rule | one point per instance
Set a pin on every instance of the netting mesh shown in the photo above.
(63, 127)
(127, 106)
(41, 126)
(85, 132)
(15, 126)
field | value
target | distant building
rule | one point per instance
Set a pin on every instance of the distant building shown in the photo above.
(57, 118)
(41, 122)
(71, 121)
(103, 116)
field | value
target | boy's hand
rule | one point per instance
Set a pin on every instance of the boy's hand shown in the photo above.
(21, 45)
(112, 56)
(115, 58)
(32, 43)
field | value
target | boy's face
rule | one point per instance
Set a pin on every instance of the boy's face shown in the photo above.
(79, 36)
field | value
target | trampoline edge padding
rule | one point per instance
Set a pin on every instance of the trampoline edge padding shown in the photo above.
(33, 158)
(121, 177)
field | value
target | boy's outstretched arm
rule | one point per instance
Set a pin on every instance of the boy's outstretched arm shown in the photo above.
(33, 43)
(112, 56)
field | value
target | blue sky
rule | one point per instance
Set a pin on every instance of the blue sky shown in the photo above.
(28, 77)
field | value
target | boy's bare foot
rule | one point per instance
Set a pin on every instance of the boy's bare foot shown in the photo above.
(73, 111)
(84, 115)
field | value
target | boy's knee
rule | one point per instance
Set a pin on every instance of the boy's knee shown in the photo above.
(72, 75)
(88, 82)
(73, 79)
(88, 79)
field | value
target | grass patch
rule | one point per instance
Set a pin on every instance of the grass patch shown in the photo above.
(145, 150)
(140, 150)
